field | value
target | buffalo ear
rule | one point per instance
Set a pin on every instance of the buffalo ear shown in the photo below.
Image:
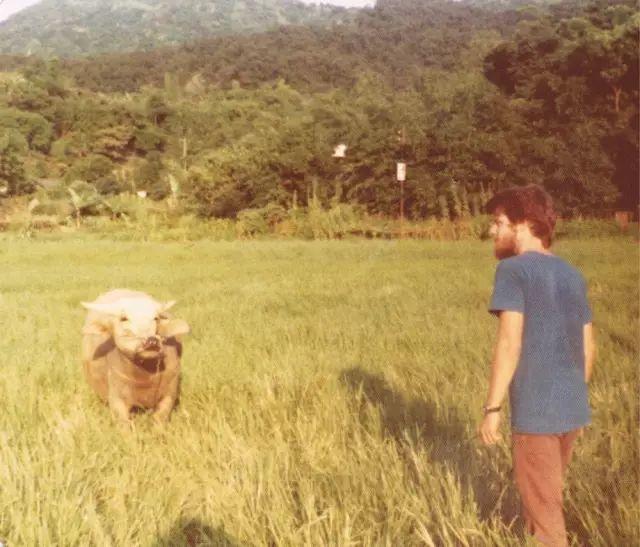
(95, 328)
(107, 308)
(173, 327)
(166, 306)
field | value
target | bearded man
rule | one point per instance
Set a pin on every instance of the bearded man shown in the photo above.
(543, 355)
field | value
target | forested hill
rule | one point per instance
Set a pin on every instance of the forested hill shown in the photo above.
(472, 96)
(396, 40)
(67, 28)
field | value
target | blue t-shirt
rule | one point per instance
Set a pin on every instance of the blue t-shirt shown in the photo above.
(548, 393)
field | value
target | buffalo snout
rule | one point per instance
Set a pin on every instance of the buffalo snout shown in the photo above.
(153, 343)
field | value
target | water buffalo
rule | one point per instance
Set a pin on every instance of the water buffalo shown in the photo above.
(131, 352)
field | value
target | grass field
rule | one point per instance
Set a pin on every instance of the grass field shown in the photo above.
(330, 396)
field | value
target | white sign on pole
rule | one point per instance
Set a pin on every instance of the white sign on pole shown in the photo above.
(340, 151)
(401, 172)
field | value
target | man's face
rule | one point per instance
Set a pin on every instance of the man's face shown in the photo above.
(504, 236)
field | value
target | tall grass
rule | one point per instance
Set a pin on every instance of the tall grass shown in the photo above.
(128, 218)
(330, 396)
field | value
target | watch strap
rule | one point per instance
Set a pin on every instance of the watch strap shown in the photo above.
(490, 409)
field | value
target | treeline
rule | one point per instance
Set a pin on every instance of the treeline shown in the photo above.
(556, 103)
(396, 41)
(68, 28)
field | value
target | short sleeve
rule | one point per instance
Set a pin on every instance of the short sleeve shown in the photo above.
(508, 292)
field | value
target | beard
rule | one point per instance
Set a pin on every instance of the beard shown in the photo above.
(504, 247)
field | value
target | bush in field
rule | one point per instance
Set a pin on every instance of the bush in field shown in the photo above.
(133, 218)
(313, 222)
(190, 227)
(52, 192)
(59, 208)
(78, 199)
(108, 185)
(260, 221)
(474, 227)
(251, 222)
(586, 229)
(336, 221)
(127, 206)
(316, 222)
(85, 199)
(295, 225)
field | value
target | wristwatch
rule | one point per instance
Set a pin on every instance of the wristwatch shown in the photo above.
(489, 409)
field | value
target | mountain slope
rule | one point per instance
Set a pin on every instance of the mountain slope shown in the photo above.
(396, 43)
(78, 27)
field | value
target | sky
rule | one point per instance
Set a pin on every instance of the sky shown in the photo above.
(345, 3)
(9, 7)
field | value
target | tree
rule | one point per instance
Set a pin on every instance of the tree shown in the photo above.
(157, 109)
(90, 169)
(113, 142)
(575, 83)
(35, 129)
(84, 198)
(12, 174)
(148, 139)
(150, 177)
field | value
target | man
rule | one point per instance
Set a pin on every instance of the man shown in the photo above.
(543, 354)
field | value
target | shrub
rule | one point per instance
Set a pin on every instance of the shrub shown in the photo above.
(108, 185)
(586, 228)
(90, 169)
(150, 176)
(85, 198)
(259, 221)
(251, 222)
(149, 139)
(127, 206)
(337, 221)
(61, 148)
(61, 209)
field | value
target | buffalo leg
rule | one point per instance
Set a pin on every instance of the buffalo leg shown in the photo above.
(163, 409)
(119, 409)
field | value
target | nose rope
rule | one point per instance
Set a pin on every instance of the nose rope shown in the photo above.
(157, 379)
(140, 383)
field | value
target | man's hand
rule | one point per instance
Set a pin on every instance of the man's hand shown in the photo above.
(489, 429)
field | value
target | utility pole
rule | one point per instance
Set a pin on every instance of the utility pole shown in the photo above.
(401, 175)
(184, 153)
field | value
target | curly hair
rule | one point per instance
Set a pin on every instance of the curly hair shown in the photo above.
(531, 204)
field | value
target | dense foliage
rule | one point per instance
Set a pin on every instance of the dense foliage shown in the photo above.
(78, 27)
(472, 98)
(576, 83)
(394, 41)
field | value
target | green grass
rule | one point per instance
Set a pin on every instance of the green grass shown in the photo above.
(330, 396)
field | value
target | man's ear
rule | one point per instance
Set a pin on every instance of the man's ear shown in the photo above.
(522, 231)
(524, 227)
(173, 327)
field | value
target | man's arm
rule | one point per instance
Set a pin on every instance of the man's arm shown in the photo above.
(505, 360)
(589, 351)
